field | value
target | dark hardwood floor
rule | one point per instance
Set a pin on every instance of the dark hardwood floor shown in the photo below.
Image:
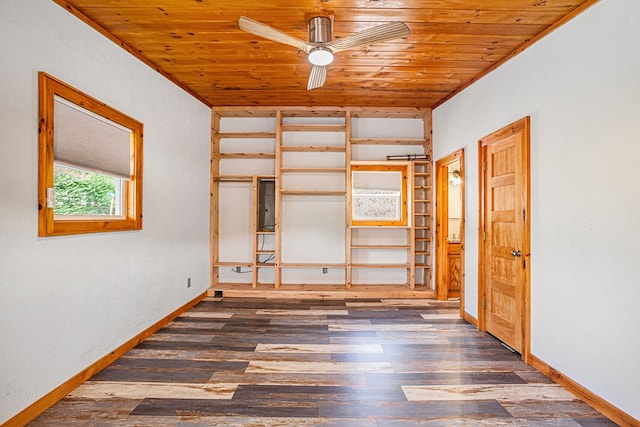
(353, 363)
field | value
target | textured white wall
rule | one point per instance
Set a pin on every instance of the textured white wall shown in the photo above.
(67, 301)
(581, 87)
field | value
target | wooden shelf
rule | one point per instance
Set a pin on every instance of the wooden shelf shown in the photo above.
(382, 266)
(313, 128)
(246, 135)
(231, 111)
(394, 227)
(387, 141)
(313, 170)
(233, 264)
(241, 177)
(235, 285)
(265, 232)
(245, 155)
(355, 286)
(313, 192)
(380, 246)
(311, 265)
(316, 111)
(314, 148)
(237, 178)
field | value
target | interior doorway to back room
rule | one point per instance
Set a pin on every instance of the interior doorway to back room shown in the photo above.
(450, 227)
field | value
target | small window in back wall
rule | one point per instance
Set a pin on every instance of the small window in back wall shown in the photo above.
(90, 167)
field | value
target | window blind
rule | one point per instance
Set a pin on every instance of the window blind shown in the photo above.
(84, 140)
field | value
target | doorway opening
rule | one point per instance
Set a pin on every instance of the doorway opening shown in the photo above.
(450, 227)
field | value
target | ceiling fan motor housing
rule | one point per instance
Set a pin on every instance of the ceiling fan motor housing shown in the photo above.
(319, 29)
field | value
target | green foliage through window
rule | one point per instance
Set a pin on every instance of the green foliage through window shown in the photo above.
(79, 192)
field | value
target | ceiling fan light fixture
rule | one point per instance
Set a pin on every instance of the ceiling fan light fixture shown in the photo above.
(321, 47)
(321, 56)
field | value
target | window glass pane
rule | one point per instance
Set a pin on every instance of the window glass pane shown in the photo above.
(81, 193)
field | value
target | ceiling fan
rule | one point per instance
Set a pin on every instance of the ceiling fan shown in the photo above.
(320, 48)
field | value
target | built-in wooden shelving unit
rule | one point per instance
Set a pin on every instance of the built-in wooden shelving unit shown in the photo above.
(423, 220)
(310, 167)
(308, 153)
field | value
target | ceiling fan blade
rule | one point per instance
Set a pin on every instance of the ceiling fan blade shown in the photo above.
(380, 33)
(270, 33)
(317, 77)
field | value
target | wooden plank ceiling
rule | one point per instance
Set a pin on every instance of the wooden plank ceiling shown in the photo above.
(197, 43)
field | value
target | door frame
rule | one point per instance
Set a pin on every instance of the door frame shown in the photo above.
(442, 228)
(510, 129)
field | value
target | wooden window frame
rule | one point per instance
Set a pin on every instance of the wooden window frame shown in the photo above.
(48, 225)
(395, 167)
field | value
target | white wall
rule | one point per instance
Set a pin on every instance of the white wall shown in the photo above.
(581, 87)
(67, 301)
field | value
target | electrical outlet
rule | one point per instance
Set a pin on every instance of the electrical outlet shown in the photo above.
(325, 270)
(237, 269)
(188, 282)
(217, 293)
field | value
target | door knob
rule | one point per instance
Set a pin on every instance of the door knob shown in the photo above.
(516, 253)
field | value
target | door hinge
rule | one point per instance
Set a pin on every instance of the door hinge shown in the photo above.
(484, 303)
(524, 263)
(484, 166)
(484, 236)
(524, 215)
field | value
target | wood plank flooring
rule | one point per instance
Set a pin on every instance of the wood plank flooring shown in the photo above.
(347, 363)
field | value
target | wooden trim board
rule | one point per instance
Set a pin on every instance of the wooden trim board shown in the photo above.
(321, 292)
(469, 318)
(39, 406)
(604, 407)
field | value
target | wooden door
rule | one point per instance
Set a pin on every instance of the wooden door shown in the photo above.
(454, 272)
(504, 283)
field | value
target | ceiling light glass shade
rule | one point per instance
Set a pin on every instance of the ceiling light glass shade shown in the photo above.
(321, 56)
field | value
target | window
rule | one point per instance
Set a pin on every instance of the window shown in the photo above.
(379, 194)
(90, 167)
